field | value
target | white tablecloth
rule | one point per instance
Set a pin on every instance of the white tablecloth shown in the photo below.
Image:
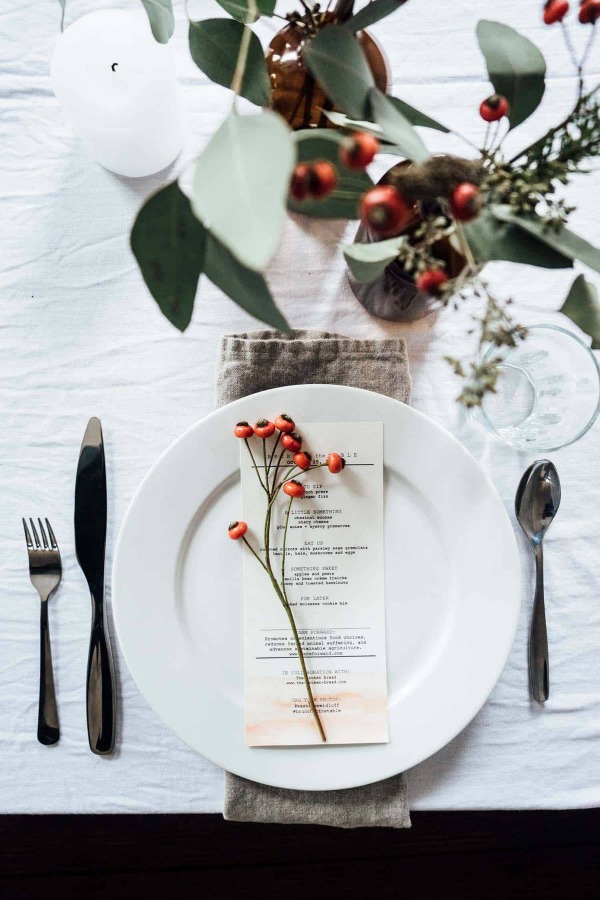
(80, 336)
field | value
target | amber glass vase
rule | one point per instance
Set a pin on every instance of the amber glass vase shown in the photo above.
(296, 95)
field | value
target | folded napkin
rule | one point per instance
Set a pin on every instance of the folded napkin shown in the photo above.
(257, 361)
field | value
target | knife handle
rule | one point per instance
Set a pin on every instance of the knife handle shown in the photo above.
(100, 690)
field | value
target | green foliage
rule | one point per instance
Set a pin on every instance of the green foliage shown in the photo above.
(162, 21)
(373, 12)
(395, 128)
(561, 238)
(415, 116)
(412, 115)
(240, 9)
(515, 67)
(215, 45)
(342, 203)
(583, 307)
(168, 243)
(338, 63)
(491, 239)
(247, 288)
(368, 261)
(241, 183)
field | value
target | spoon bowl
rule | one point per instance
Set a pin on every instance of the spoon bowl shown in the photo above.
(537, 499)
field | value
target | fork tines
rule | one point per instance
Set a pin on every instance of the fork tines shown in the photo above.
(36, 540)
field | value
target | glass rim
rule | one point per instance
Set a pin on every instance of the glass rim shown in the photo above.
(543, 326)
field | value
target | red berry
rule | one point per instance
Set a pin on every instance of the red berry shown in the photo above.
(243, 430)
(303, 460)
(431, 280)
(294, 489)
(284, 423)
(237, 530)
(264, 428)
(555, 11)
(322, 179)
(494, 108)
(464, 201)
(589, 11)
(358, 150)
(383, 210)
(299, 187)
(291, 442)
(335, 463)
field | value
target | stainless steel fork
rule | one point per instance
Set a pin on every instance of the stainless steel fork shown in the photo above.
(45, 571)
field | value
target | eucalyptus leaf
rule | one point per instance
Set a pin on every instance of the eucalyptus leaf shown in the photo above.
(241, 184)
(342, 203)
(162, 21)
(396, 129)
(338, 63)
(169, 244)
(246, 288)
(515, 67)
(214, 46)
(368, 261)
(373, 12)
(490, 239)
(582, 306)
(415, 116)
(561, 239)
(240, 9)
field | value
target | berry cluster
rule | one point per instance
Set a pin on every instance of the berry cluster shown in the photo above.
(556, 10)
(317, 180)
(272, 483)
(290, 441)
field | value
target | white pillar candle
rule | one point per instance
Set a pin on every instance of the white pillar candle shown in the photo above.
(119, 90)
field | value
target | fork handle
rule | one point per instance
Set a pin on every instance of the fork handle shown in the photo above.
(47, 732)
(100, 689)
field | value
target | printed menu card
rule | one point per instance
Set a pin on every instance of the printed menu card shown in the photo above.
(335, 585)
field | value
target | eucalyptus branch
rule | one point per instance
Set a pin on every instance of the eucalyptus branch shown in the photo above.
(240, 66)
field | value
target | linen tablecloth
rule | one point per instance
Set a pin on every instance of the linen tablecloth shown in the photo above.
(80, 336)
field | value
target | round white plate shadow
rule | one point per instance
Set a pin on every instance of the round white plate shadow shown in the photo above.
(452, 590)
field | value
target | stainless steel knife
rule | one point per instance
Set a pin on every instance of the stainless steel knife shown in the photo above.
(90, 545)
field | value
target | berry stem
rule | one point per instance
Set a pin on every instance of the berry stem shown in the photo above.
(255, 466)
(273, 454)
(285, 531)
(290, 615)
(264, 440)
(254, 553)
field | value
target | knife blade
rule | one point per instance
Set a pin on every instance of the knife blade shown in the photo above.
(90, 546)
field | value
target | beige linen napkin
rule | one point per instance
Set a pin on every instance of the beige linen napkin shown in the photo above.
(257, 361)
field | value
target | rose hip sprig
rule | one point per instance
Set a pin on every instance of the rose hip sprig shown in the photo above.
(272, 484)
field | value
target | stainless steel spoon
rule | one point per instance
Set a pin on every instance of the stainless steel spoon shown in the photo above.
(536, 503)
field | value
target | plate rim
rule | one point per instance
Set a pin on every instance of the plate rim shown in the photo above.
(471, 713)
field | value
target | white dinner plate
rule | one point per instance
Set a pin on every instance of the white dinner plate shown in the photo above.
(452, 591)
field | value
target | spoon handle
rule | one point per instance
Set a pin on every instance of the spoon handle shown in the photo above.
(539, 667)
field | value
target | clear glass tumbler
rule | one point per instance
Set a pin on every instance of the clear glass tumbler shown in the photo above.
(548, 391)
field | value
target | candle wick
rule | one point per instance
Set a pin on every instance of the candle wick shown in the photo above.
(114, 65)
